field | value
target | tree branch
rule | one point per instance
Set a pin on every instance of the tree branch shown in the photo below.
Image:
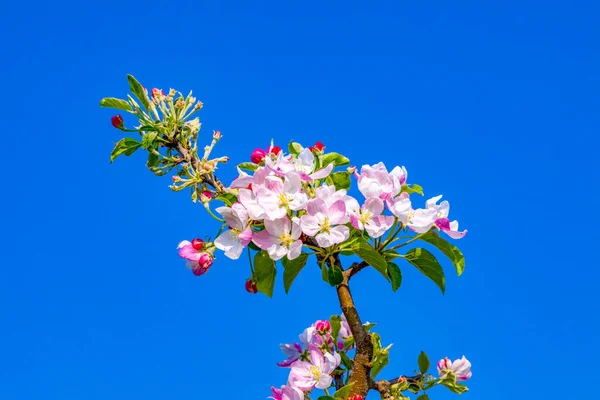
(383, 386)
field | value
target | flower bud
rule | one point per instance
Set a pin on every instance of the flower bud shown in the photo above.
(172, 92)
(251, 286)
(179, 104)
(257, 156)
(205, 196)
(157, 94)
(356, 397)
(205, 260)
(198, 106)
(217, 135)
(273, 150)
(176, 178)
(198, 244)
(323, 326)
(117, 121)
(351, 169)
(317, 147)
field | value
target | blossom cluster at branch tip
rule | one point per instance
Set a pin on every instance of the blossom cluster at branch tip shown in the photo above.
(460, 368)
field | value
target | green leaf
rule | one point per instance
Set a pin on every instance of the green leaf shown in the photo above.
(295, 148)
(148, 139)
(414, 188)
(264, 272)
(423, 363)
(325, 398)
(336, 325)
(248, 166)
(254, 247)
(227, 198)
(449, 250)
(126, 146)
(426, 262)
(341, 180)
(343, 392)
(365, 251)
(395, 275)
(380, 355)
(423, 397)
(137, 89)
(153, 160)
(338, 160)
(291, 269)
(335, 275)
(112, 102)
(449, 380)
(345, 359)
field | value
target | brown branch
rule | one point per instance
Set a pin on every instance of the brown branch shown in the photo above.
(383, 386)
(364, 346)
(189, 158)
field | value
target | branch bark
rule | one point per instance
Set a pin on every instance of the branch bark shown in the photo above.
(361, 370)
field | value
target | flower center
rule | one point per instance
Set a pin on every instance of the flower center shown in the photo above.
(365, 217)
(234, 232)
(316, 372)
(325, 225)
(284, 200)
(286, 239)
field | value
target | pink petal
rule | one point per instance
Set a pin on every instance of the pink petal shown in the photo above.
(337, 212)
(246, 236)
(264, 239)
(323, 172)
(189, 253)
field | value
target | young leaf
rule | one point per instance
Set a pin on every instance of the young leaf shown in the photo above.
(365, 251)
(112, 102)
(423, 363)
(153, 160)
(227, 198)
(334, 275)
(343, 392)
(395, 275)
(414, 188)
(137, 89)
(148, 139)
(336, 325)
(248, 166)
(423, 397)
(264, 272)
(426, 262)
(449, 250)
(325, 398)
(126, 146)
(337, 159)
(291, 269)
(295, 148)
(341, 180)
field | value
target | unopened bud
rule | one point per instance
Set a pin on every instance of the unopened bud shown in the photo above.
(273, 150)
(198, 106)
(205, 260)
(179, 104)
(192, 99)
(356, 397)
(172, 92)
(217, 135)
(157, 94)
(257, 156)
(351, 169)
(205, 196)
(198, 244)
(117, 121)
(176, 178)
(323, 326)
(251, 286)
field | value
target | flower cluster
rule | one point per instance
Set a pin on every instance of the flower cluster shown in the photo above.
(313, 361)
(289, 202)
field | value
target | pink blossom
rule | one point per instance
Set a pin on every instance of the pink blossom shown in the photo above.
(323, 326)
(376, 181)
(292, 351)
(441, 218)
(286, 393)
(461, 368)
(368, 217)
(344, 334)
(322, 222)
(280, 238)
(305, 164)
(316, 373)
(239, 234)
(400, 207)
(276, 197)
(195, 259)
(257, 156)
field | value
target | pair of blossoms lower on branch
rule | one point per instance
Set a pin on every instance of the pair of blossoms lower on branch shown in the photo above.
(288, 203)
(316, 360)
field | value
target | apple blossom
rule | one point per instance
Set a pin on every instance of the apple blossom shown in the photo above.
(195, 259)
(292, 351)
(305, 164)
(322, 222)
(368, 217)
(286, 392)
(277, 197)
(233, 241)
(316, 373)
(376, 181)
(280, 238)
(461, 368)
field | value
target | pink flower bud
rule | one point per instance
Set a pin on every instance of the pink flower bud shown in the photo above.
(356, 397)
(273, 150)
(198, 270)
(351, 169)
(205, 260)
(217, 135)
(323, 326)
(317, 147)
(198, 244)
(257, 156)
(117, 121)
(157, 93)
(251, 286)
(205, 196)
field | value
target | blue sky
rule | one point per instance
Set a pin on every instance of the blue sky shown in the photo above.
(494, 105)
